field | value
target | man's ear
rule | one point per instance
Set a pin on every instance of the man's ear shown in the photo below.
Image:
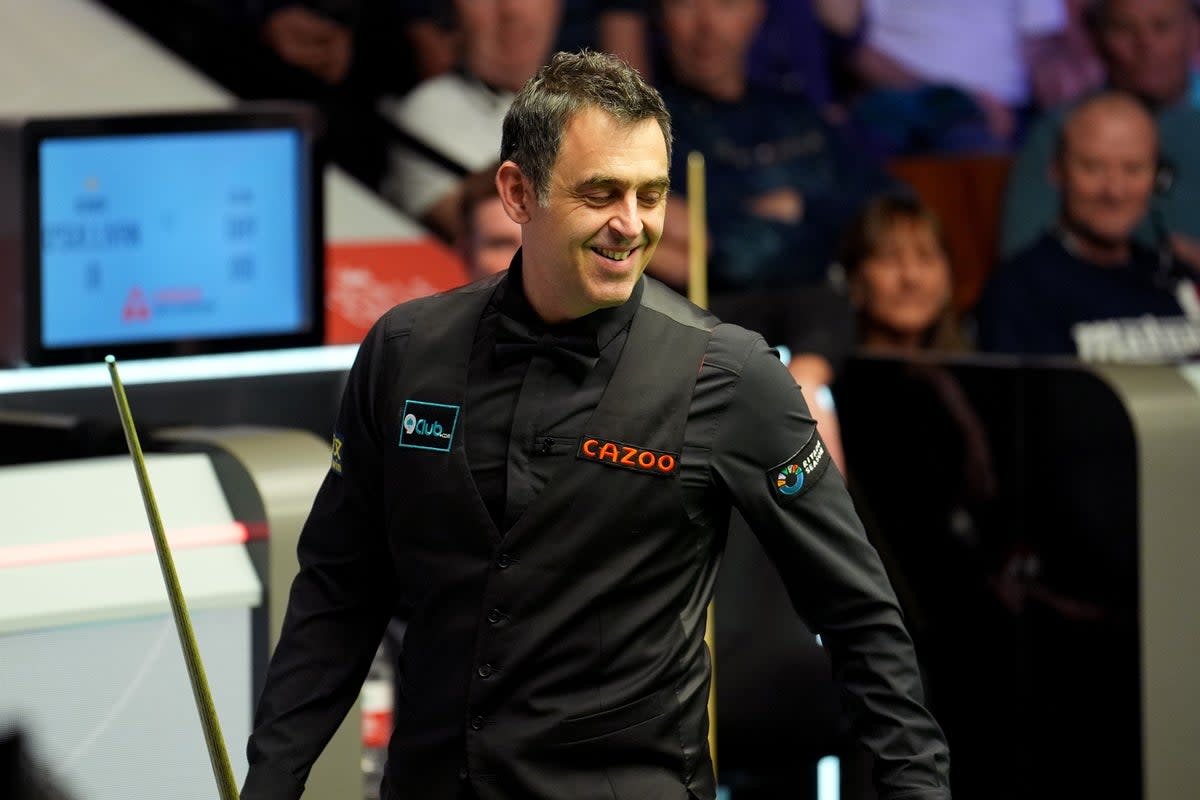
(516, 192)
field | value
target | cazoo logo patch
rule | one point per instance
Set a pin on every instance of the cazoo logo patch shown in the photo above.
(627, 456)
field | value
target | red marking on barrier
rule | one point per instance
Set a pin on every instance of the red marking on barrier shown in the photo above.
(128, 544)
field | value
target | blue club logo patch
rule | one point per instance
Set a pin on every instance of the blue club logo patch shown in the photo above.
(798, 474)
(428, 426)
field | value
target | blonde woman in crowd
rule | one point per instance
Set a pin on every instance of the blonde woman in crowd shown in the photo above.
(900, 279)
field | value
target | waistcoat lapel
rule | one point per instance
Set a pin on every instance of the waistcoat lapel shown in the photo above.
(432, 383)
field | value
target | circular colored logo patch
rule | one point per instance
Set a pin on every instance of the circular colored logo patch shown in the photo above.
(410, 423)
(790, 479)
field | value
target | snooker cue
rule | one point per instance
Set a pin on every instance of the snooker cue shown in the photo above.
(217, 756)
(698, 294)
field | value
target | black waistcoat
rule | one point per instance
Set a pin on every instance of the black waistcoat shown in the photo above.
(550, 660)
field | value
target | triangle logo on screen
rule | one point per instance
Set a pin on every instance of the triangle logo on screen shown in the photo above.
(136, 309)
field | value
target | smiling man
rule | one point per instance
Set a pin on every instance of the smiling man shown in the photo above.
(1087, 287)
(537, 472)
(591, 223)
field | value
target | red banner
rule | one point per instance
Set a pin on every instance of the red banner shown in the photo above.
(364, 279)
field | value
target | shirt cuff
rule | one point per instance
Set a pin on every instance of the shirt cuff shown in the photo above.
(914, 794)
(265, 782)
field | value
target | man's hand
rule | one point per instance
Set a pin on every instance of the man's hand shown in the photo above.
(310, 41)
(1001, 121)
(784, 205)
(813, 374)
(670, 264)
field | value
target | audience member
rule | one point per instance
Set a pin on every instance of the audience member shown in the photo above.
(943, 78)
(1078, 70)
(1147, 47)
(1087, 287)
(780, 185)
(620, 27)
(310, 40)
(433, 34)
(935, 519)
(793, 49)
(454, 119)
(900, 279)
(489, 238)
(338, 55)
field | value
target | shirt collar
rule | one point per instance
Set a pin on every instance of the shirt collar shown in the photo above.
(604, 324)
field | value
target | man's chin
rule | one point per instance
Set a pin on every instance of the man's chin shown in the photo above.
(612, 293)
(1109, 237)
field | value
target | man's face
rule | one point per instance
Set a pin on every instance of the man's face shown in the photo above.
(505, 41)
(707, 40)
(607, 199)
(1147, 46)
(492, 238)
(1106, 171)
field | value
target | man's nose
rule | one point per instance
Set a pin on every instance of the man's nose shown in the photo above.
(626, 220)
(1115, 186)
(1142, 43)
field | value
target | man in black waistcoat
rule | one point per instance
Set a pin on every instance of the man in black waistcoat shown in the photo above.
(536, 471)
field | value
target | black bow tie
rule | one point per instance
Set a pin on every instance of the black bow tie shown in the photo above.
(573, 353)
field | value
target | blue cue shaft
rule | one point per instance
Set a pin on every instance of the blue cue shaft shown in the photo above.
(217, 756)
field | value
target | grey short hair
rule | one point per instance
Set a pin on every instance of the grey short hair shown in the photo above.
(1100, 97)
(569, 83)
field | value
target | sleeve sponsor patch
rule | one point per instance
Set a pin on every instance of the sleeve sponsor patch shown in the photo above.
(795, 476)
(335, 460)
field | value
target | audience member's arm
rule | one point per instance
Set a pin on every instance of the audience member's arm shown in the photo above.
(310, 41)
(1058, 71)
(1001, 119)
(784, 204)
(813, 373)
(877, 69)
(670, 264)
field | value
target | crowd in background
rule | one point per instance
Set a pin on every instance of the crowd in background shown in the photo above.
(799, 107)
(803, 110)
